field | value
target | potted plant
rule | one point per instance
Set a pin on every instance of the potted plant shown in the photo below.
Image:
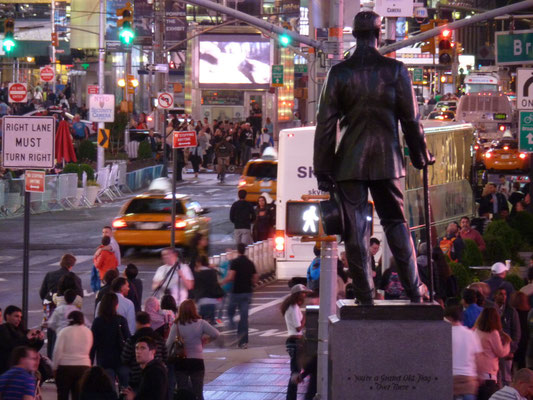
(92, 191)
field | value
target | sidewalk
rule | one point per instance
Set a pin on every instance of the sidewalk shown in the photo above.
(258, 373)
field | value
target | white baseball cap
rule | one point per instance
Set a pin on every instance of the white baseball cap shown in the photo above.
(300, 288)
(498, 268)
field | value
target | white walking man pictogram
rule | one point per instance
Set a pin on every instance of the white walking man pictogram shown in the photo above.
(310, 217)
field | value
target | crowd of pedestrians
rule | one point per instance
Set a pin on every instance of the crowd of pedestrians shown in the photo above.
(126, 349)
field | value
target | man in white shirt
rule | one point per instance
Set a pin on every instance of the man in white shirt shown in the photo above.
(520, 389)
(179, 281)
(121, 287)
(465, 348)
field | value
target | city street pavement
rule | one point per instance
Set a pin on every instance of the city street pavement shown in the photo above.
(260, 372)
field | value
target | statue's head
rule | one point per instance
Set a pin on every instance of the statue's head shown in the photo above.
(366, 25)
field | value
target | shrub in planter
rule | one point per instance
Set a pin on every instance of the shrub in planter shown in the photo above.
(471, 254)
(516, 281)
(88, 169)
(496, 250)
(510, 237)
(463, 275)
(145, 151)
(71, 169)
(87, 151)
(523, 223)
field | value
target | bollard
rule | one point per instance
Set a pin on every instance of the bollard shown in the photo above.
(211, 260)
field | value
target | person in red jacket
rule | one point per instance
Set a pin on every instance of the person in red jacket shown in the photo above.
(104, 260)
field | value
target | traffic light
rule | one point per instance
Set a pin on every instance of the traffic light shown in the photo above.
(284, 40)
(55, 39)
(429, 45)
(445, 47)
(9, 35)
(125, 23)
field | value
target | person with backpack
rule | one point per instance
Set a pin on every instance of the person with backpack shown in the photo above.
(391, 284)
(313, 272)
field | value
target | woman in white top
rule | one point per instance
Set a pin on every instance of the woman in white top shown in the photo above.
(71, 356)
(295, 320)
(195, 333)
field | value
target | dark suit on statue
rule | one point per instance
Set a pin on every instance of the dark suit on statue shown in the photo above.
(368, 94)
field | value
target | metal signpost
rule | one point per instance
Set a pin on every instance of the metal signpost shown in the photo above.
(180, 140)
(524, 103)
(28, 142)
(165, 101)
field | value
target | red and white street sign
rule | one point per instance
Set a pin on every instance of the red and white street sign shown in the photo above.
(184, 139)
(92, 89)
(18, 93)
(165, 100)
(34, 181)
(47, 74)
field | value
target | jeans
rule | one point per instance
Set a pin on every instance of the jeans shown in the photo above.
(293, 348)
(207, 312)
(190, 376)
(68, 380)
(243, 236)
(122, 373)
(222, 306)
(241, 300)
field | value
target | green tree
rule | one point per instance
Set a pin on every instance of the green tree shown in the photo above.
(145, 151)
(496, 250)
(523, 223)
(471, 254)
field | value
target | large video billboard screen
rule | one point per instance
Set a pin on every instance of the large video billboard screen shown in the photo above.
(234, 61)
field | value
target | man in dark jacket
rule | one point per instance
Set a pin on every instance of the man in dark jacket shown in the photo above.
(493, 203)
(51, 279)
(368, 94)
(242, 215)
(154, 382)
(142, 320)
(13, 334)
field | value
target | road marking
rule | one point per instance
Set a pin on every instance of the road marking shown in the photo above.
(2, 280)
(4, 259)
(212, 190)
(265, 306)
(275, 292)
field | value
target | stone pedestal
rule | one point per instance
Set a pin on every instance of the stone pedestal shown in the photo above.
(394, 350)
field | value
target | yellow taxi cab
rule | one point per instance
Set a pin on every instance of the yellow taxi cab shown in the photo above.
(504, 155)
(260, 176)
(145, 220)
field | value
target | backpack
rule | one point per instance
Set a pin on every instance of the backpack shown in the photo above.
(394, 288)
(313, 274)
(446, 245)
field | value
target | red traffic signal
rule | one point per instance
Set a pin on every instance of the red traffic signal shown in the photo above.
(446, 33)
(445, 47)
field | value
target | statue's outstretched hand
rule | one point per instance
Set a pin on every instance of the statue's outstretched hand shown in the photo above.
(325, 182)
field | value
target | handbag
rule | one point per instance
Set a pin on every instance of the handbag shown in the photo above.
(177, 350)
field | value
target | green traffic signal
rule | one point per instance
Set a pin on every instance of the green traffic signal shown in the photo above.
(284, 40)
(9, 42)
(126, 34)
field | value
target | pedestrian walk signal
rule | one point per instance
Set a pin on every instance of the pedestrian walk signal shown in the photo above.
(303, 218)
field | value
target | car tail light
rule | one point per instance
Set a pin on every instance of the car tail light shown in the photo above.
(149, 119)
(280, 241)
(522, 156)
(488, 155)
(502, 128)
(180, 224)
(476, 147)
(119, 223)
(506, 147)
(242, 182)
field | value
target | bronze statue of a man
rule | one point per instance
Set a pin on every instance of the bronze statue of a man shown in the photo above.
(368, 94)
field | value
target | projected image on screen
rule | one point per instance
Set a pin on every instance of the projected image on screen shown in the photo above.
(235, 62)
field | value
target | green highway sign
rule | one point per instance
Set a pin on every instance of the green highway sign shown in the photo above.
(418, 75)
(300, 68)
(525, 129)
(277, 75)
(514, 48)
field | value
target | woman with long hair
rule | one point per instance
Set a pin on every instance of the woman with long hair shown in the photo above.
(295, 320)
(520, 302)
(495, 344)
(72, 356)
(110, 331)
(195, 333)
(95, 385)
(199, 247)
(264, 220)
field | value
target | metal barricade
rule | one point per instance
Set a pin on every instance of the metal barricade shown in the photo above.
(216, 261)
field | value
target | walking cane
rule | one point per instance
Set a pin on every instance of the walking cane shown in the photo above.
(427, 205)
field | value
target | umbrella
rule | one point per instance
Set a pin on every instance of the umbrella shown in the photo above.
(64, 147)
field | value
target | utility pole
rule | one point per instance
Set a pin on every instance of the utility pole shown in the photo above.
(53, 49)
(100, 155)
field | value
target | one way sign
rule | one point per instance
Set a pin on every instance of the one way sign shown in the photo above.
(524, 89)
